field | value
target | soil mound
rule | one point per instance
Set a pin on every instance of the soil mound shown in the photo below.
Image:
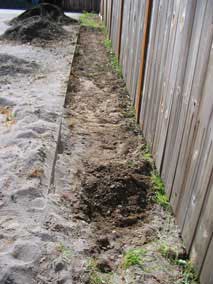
(49, 11)
(120, 194)
(35, 28)
(43, 22)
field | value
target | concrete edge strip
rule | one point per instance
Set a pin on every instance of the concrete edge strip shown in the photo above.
(51, 180)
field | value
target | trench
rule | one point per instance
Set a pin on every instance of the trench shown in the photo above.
(104, 181)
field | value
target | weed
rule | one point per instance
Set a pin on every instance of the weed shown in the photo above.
(91, 20)
(133, 257)
(131, 164)
(147, 156)
(95, 276)
(108, 44)
(113, 58)
(66, 252)
(160, 196)
(129, 113)
(171, 253)
(189, 274)
(164, 250)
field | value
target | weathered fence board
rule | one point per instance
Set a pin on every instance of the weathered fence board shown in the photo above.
(69, 5)
(116, 25)
(82, 5)
(170, 83)
(207, 272)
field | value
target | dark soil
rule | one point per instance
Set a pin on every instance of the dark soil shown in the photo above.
(12, 66)
(44, 22)
(115, 192)
(34, 28)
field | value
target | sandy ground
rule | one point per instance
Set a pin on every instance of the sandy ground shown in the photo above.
(33, 84)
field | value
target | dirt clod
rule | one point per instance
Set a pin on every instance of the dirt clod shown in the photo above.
(103, 242)
(113, 191)
(105, 266)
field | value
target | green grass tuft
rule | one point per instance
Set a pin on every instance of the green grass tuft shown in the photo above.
(95, 277)
(66, 253)
(133, 257)
(147, 156)
(160, 196)
(189, 274)
(91, 20)
(113, 58)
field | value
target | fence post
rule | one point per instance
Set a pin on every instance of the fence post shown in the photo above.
(144, 46)
(101, 8)
(110, 26)
(120, 24)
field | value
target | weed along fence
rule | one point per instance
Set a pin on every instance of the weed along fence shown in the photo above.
(166, 53)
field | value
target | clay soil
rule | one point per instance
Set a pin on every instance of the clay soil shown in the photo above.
(109, 189)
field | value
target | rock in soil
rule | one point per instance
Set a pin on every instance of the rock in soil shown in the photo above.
(104, 265)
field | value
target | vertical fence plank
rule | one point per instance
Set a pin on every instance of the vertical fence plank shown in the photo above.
(204, 229)
(153, 101)
(143, 57)
(82, 5)
(144, 74)
(120, 26)
(207, 271)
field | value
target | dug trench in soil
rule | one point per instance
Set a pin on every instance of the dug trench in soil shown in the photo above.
(106, 180)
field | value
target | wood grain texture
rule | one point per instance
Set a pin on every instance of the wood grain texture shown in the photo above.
(80, 6)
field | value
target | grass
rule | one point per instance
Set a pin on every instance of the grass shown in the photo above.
(189, 276)
(159, 188)
(146, 154)
(130, 112)
(95, 276)
(113, 58)
(91, 20)
(133, 257)
(66, 253)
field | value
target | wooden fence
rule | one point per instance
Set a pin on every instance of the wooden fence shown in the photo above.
(69, 5)
(165, 49)
(82, 5)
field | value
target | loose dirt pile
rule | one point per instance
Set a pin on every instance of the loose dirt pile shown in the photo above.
(44, 22)
(116, 193)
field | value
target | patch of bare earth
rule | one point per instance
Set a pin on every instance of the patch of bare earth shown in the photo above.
(109, 181)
